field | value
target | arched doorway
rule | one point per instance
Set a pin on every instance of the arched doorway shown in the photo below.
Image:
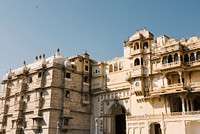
(118, 119)
(155, 128)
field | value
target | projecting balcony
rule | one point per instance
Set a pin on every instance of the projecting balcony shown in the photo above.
(5, 109)
(171, 65)
(192, 63)
(135, 52)
(136, 71)
(169, 89)
(20, 87)
(19, 105)
(39, 102)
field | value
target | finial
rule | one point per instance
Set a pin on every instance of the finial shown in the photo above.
(40, 57)
(58, 50)
(43, 56)
(36, 58)
(24, 63)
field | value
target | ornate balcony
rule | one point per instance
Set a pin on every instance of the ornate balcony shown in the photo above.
(192, 63)
(170, 65)
(135, 52)
(165, 115)
(169, 88)
(19, 105)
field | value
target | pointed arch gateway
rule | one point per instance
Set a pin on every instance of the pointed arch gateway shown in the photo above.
(118, 123)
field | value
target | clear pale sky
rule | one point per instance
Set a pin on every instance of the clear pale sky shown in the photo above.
(29, 28)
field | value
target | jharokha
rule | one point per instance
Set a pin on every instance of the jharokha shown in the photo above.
(154, 88)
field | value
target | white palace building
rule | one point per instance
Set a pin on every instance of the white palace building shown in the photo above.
(153, 89)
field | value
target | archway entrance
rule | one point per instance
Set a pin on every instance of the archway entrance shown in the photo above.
(119, 119)
(155, 128)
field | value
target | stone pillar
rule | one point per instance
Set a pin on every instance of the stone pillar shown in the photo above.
(183, 103)
(187, 104)
(180, 74)
(191, 104)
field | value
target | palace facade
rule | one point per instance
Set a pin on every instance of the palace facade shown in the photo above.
(154, 88)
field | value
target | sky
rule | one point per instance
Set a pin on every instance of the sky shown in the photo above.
(29, 28)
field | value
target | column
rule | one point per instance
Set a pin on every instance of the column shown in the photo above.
(183, 103)
(187, 104)
(180, 74)
(191, 104)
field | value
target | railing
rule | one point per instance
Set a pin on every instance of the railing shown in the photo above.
(174, 87)
(134, 52)
(170, 65)
(164, 115)
(192, 63)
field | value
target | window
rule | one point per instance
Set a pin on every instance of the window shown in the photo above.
(170, 59)
(66, 121)
(67, 94)
(145, 45)
(176, 57)
(137, 62)
(186, 58)
(115, 67)
(192, 57)
(86, 97)
(110, 68)
(39, 74)
(30, 79)
(86, 68)
(28, 98)
(86, 79)
(68, 75)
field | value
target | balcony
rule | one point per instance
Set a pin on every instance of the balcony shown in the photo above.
(38, 102)
(173, 115)
(135, 52)
(36, 127)
(192, 63)
(170, 65)
(136, 71)
(19, 105)
(8, 90)
(169, 88)
(21, 87)
(5, 109)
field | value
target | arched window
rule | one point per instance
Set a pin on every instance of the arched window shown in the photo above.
(186, 58)
(115, 67)
(192, 57)
(198, 55)
(136, 46)
(137, 62)
(164, 60)
(110, 68)
(176, 57)
(145, 45)
(170, 59)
